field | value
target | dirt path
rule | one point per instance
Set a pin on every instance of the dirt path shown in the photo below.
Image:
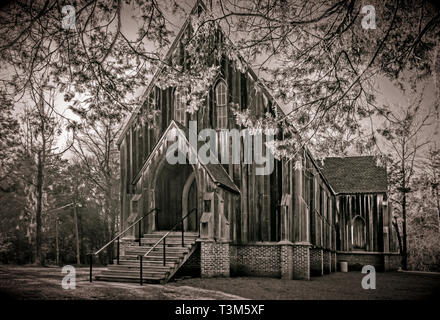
(20, 282)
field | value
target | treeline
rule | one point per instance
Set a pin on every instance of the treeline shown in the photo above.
(413, 166)
(80, 220)
(59, 183)
(424, 216)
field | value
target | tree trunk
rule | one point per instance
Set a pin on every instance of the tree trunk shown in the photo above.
(57, 243)
(39, 191)
(399, 239)
(109, 210)
(404, 191)
(405, 247)
(78, 255)
(437, 198)
(109, 237)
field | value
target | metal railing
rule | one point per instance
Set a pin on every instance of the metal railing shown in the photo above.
(163, 240)
(117, 238)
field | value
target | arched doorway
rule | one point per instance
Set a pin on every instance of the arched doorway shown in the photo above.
(169, 194)
(189, 203)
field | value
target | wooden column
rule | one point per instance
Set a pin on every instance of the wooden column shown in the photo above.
(370, 222)
(298, 219)
(244, 201)
(386, 230)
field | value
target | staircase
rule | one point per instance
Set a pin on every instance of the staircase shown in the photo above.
(153, 270)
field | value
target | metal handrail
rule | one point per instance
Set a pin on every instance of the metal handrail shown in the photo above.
(165, 235)
(118, 238)
(157, 243)
(125, 230)
(163, 239)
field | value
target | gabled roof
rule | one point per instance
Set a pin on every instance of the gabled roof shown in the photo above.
(355, 174)
(342, 175)
(129, 121)
(216, 171)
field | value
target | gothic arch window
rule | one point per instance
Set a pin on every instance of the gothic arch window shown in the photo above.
(179, 106)
(221, 103)
(358, 233)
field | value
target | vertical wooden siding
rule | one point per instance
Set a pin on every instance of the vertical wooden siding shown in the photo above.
(255, 215)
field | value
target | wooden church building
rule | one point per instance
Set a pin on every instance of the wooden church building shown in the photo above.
(295, 222)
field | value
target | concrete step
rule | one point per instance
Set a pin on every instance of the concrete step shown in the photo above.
(135, 255)
(152, 267)
(135, 273)
(169, 262)
(145, 279)
(143, 250)
(153, 270)
(172, 234)
(148, 259)
(168, 254)
(134, 258)
(158, 258)
(169, 242)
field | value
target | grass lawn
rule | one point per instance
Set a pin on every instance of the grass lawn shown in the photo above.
(28, 282)
(335, 286)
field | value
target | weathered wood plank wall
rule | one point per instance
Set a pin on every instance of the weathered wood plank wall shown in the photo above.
(376, 217)
(310, 211)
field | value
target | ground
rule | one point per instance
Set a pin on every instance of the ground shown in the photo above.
(27, 282)
(335, 286)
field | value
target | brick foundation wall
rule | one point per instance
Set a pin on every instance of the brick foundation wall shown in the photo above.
(334, 261)
(192, 266)
(301, 261)
(316, 262)
(214, 259)
(381, 261)
(286, 263)
(326, 259)
(257, 259)
(392, 262)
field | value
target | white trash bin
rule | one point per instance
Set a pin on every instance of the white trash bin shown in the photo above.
(343, 266)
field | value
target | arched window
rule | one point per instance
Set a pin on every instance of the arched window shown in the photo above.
(221, 101)
(179, 106)
(358, 233)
